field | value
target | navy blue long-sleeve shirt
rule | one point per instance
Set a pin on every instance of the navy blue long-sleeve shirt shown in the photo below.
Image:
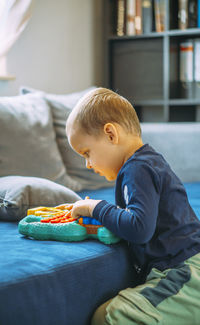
(152, 213)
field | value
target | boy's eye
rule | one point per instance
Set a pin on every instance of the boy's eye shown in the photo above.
(86, 154)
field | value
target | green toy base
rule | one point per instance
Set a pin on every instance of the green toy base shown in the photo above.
(31, 226)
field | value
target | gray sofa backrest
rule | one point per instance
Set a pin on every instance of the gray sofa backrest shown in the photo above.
(179, 143)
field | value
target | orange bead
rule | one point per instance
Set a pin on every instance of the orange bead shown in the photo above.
(44, 220)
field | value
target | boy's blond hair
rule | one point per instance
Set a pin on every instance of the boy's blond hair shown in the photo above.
(101, 106)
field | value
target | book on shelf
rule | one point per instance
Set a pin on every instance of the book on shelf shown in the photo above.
(192, 13)
(189, 75)
(160, 10)
(196, 68)
(121, 17)
(147, 16)
(138, 17)
(130, 17)
(182, 14)
(188, 14)
(186, 69)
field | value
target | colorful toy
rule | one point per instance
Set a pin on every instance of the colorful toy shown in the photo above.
(56, 223)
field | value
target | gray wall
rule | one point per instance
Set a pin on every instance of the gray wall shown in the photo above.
(60, 50)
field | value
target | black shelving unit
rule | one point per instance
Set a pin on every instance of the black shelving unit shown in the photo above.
(143, 69)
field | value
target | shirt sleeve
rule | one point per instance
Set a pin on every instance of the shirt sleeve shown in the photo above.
(136, 222)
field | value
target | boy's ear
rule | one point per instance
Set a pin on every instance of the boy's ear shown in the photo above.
(111, 132)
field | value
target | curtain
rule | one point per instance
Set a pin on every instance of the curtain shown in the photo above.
(14, 16)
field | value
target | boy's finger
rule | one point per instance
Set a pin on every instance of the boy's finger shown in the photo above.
(67, 206)
(74, 215)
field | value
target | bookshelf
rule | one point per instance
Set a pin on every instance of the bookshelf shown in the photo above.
(145, 68)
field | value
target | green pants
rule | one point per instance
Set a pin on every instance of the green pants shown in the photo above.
(171, 297)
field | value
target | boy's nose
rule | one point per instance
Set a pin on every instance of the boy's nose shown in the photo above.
(88, 165)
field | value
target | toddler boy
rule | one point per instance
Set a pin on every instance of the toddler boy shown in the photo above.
(152, 214)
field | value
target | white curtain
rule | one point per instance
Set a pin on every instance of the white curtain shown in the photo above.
(14, 16)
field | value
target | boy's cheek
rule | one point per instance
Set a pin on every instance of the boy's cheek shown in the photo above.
(111, 178)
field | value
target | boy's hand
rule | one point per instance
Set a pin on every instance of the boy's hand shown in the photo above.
(83, 208)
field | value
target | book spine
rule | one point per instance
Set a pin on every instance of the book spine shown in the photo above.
(183, 14)
(130, 17)
(121, 17)
(125, 14)
(192, 13)
(186, 75)
(186, 61)
(162, 14)
(198, 13)
(157, 16)
(197, 68)
(138, 17)
(147, 16)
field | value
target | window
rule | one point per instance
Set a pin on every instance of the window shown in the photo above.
(14, 16)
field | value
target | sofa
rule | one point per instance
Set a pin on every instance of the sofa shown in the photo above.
(53, 282)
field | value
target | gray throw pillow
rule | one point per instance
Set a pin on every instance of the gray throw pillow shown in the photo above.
(19, 193)
(27, 140)
(61, 106)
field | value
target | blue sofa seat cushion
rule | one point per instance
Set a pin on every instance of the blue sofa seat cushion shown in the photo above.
(50, 282)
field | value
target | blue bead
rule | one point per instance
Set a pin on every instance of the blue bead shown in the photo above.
(90, 221)
(86, 220)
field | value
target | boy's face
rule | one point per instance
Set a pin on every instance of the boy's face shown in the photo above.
(99, 152)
